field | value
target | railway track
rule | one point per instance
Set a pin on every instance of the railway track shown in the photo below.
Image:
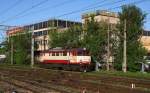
(6, 87)
(73, 82)
(36, 86)
(27, 87)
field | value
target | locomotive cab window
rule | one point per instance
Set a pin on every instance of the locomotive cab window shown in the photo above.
(83, 53)
(80, 53)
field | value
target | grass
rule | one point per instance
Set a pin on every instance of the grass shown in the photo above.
(20, 66)
(139, 75)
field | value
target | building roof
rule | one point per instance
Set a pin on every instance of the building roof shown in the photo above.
(100, 12)
(52, 19)
(43, 24)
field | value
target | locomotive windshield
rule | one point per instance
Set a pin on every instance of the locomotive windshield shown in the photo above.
(83, 53)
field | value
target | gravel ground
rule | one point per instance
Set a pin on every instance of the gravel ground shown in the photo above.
(74, 82)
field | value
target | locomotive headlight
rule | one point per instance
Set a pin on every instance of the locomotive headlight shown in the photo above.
(84, 48)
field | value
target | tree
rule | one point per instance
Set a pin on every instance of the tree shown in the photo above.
(3, 47)
(135, 51)
(22, 47)
(95, 39)
(69, 38)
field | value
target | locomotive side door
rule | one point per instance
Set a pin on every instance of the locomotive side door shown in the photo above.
(73, 57)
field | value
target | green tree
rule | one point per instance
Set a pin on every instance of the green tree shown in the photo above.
(135, 52)
(95, 39)
(3, 47)
(69, 38)
(22, 47)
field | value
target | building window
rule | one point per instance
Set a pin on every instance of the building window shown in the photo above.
(35, 26)
(40, 33)
(45, 32)
(50, 23)
(45, 24)
(61, 23)
(40, 25)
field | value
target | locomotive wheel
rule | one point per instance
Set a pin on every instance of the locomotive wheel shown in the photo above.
(83, 69)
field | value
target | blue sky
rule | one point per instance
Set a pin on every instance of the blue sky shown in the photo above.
(50, 9)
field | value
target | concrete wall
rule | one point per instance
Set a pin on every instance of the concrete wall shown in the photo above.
(145, 40)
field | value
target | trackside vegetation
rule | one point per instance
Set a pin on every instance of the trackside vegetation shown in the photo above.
(135, 51)
(130, 74)
(93, 36)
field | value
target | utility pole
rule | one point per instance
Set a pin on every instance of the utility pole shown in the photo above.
(124, 64)
(108, 50)
(32, 46)
(12, 50)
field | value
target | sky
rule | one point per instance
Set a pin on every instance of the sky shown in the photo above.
(23, 12)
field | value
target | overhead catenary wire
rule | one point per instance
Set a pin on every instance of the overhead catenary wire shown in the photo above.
(54, 6)
(10, 7)
(135, 2)
(59, 5)
(73, 12)
(24, 11)
(3, 29)
(87, 8)
(49, 7)
(105, 4)
(84, 9)
(99, 4)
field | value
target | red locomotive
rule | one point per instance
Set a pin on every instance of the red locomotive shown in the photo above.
(67, 59)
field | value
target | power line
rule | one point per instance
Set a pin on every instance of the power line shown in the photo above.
(105, 4)
(4, 30)
(11, 7)
(24, 11)
(54, 6)
(84, 9)
(136, 2)
(99, 4)
(49, 7)
(57, 5)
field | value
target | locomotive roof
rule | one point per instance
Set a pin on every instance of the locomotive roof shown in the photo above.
(57, 50)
